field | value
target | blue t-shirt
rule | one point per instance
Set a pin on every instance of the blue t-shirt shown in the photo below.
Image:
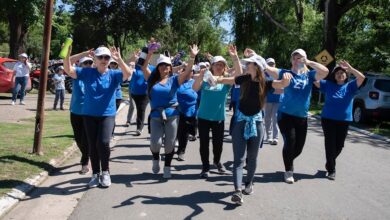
(164, 96)
(99, 90)
(213, 101)
(296, 100)
(187, 98)
(138, 85)
(235, 93)
(118, 92)
(271, 97)
(77, 99)
(338, 99)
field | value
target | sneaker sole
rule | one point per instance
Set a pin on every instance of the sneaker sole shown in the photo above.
(237, 200)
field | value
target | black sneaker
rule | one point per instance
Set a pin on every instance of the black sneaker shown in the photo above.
(331, 175)
(220, 167)
(191, 138)
(237, 197)
(204, 174)
(137, 133)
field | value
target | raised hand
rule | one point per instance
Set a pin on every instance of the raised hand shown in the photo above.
(286, 79)
(249, 52)
(344, 64)
(194, 50)
(232, 50)
(115, 53)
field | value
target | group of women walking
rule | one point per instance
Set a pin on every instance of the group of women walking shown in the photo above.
(183, 98)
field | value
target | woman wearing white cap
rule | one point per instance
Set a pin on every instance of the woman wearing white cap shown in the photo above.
(248, 131)
(21, 76)
(293, 110)
(211, 112)
(164, 116)
(99, 109)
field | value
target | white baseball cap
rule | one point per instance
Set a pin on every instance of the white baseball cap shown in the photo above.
(217, 59)
(270, 60)
(82, 60)
(164, 59)
(23, 55)
(101, 51)
(300, 52)
(255, 59)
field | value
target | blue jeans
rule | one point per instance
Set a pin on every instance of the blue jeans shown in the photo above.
(251, 146)
(60, 94)
(23, 82)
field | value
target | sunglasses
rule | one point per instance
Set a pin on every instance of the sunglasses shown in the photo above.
(103, 57)
(89, 62)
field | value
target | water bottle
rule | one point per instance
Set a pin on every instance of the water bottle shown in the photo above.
(209, 78)
(142, 56)
(65, 48)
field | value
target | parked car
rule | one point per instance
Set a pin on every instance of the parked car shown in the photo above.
(373, 99)
(6, 72)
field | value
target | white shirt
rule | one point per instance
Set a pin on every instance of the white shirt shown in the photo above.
(21, 69)
(59, 81)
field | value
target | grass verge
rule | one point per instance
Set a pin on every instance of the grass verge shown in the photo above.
(17, 141)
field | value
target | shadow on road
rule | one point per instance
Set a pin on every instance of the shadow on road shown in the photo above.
(192, 200)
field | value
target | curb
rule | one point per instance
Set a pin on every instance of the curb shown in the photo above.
(361, 131)
(8, 201)
(11, 199)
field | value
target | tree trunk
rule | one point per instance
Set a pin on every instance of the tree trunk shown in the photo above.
(331, 20)
(17, 39)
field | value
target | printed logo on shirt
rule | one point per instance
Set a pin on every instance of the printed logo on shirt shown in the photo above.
(300, 83)
(339, 94)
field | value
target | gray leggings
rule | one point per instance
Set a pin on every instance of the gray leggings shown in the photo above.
(271, 111)
(168, 131)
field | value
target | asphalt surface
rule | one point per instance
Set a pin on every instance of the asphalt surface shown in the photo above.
(361, 189)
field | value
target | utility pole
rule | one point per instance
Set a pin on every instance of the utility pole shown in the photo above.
(43, 79)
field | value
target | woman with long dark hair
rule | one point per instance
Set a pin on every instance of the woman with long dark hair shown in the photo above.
(164, 116)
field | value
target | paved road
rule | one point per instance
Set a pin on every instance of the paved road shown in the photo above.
(361, 190)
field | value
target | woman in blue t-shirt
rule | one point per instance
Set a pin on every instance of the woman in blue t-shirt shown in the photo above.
(339, 94)
(211, 112)
(164, 116)
(99, 109)
(293, 110)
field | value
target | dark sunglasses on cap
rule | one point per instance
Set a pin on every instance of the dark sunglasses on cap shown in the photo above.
(103, 57)
(88, 62)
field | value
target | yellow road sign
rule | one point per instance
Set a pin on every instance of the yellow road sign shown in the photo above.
(324, 58)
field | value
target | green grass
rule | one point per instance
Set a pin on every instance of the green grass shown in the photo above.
(17, 141)
(316, 108)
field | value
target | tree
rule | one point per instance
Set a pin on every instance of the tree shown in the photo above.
(21, 15)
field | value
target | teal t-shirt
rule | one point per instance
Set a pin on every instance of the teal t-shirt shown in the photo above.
(213, 101)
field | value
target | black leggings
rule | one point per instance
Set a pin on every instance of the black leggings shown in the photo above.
(80, 136)
(217, 130)
(141, 101)
(335, 133)
(294, 130)
(99, 131)
(186, 127)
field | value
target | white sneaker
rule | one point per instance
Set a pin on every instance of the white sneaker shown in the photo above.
(22, 103)
(105, 180)
(94, 182)
(13, 103)
(156, 166)
(248, 189)
(288, 177)
(167, 172)
(274, 142)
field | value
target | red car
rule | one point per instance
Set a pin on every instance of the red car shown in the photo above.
(6, 72)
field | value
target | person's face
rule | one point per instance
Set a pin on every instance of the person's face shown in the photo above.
(297, 60)
(251, 67)
(113, 66)
(271, 64)
(218, 68)
(60, 72)
(22, 59)
(164, 69)
(340, 76)
(102, 61)
(87, 63)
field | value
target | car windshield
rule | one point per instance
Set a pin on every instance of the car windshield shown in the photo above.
(383, 85)
(9, 65)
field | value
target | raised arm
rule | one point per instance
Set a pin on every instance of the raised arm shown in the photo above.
(359, 76)
(284, 82)
(226, 80)
(321, 70)
(126, 70)
(236, 61)
(76, 57)
(68, 67)
(194, 50)
(199, 80)
(145, 68)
